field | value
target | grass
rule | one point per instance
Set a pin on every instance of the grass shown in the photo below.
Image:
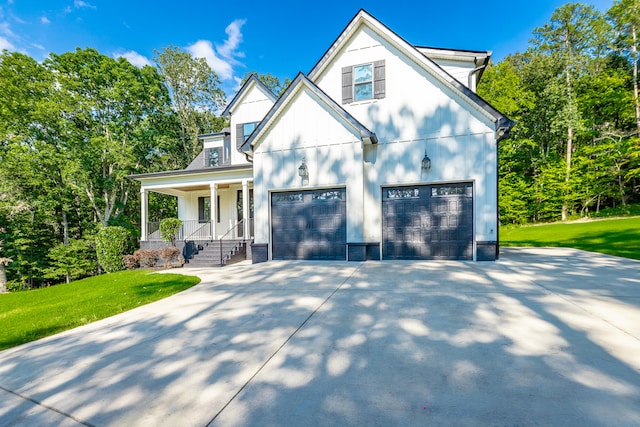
(619, 236)
(31, 315)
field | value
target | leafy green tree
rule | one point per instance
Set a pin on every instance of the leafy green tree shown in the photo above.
(625, 15)
(107, 103)
(71, 261)
(272, 82)
(195, 95)
(572, 36)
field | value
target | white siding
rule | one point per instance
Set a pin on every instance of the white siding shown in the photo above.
(332, 152)
(252, 107)
(418, 113)
(458, 69)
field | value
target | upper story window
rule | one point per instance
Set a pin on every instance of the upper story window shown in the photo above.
(243, 131)
(363, 81)
(247, 129)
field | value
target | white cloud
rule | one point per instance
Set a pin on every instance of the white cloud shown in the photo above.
(135, 58)
(45, 20)
(228, 49)
(222, 58)
(204, 49)
(5, 44)
(4, 29)
(79, 4)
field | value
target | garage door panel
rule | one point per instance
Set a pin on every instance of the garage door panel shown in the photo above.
(309, 224)
(428, 222)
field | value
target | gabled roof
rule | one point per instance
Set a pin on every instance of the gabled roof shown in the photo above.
(301, 80)
(363, 18)
(252, 80)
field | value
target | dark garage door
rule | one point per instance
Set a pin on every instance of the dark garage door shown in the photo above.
(309, 225)
(428, 222)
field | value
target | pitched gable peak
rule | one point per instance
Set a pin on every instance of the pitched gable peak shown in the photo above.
(251, 82)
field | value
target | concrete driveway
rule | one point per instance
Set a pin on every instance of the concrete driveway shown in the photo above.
(542, 337)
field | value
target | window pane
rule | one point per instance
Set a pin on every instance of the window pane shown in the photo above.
(247, 129)
(363, 91)
(362, 73)
(214, 157)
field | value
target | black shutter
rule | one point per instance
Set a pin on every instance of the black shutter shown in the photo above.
(239, 135)
(201, 209)
(379, 86)
(347, 85)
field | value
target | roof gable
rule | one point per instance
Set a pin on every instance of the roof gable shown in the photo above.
(302, 82)
(252, 82)
(364, 19)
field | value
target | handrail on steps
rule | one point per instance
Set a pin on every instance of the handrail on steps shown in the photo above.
(225, 235)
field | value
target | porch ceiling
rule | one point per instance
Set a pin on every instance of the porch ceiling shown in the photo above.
(182, 190)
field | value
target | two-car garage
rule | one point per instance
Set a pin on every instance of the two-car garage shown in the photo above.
(418, 222)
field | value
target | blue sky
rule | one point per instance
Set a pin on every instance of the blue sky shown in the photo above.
(268, 37)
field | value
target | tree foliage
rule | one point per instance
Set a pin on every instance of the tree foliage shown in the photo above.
(71, 129)
(573, 151)
(195, 95)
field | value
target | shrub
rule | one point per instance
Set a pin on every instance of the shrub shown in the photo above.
(169, 228)
(111, 244)
(168, 255)
(131, 262)
(147, 257)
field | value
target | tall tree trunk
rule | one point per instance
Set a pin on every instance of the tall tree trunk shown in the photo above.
(635, 76)
(3, 278)
(65, 238)
(567, 176)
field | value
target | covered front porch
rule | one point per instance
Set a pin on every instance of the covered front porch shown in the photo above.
(214, 205)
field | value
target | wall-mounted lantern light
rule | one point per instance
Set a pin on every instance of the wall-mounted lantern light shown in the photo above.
(302, 170)
(426, 162)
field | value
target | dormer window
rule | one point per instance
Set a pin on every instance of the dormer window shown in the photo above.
(362, 82)
(214, 157)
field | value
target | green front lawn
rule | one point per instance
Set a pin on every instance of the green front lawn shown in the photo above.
(620, 236)
(30, 315)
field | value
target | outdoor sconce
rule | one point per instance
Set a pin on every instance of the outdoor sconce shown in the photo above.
(302, 170)
(426, 162)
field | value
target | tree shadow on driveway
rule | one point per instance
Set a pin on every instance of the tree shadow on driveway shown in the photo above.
(543, 337)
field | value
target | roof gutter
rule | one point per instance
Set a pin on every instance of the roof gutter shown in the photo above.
(477, 70)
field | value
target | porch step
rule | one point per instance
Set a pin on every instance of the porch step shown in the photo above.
(208, 253)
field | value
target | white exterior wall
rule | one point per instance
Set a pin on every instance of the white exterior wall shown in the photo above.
(253, 106)
(332, 152)
(458, 69)
(417, 113)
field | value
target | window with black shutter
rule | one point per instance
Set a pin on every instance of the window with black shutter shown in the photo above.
(364, 81)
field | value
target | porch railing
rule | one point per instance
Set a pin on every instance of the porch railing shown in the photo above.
(198, 230)
(195, 230)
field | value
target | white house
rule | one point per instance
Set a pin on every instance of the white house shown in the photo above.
(382, 151)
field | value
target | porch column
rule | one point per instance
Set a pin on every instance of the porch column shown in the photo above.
(213, 206)
(245, 208)
(144, 215)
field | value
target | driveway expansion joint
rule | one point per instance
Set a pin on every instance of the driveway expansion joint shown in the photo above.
(42, 405)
